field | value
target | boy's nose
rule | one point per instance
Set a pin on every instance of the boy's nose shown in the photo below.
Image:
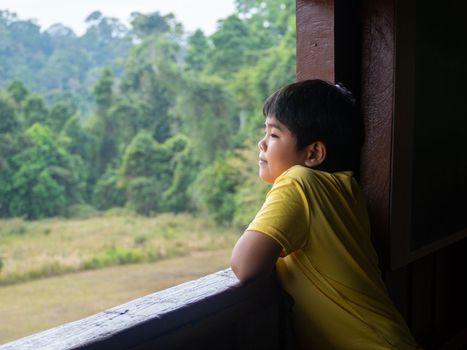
(262, 144)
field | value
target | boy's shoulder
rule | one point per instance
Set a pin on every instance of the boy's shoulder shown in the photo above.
(298, 171)
(298, 175)
(317, 181)
(303, 173)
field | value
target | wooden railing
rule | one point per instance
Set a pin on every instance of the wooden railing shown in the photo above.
(207, 313)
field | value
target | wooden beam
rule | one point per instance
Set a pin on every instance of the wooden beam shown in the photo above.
(175, 318)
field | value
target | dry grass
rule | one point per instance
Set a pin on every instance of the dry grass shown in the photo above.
(30, 250)
(30, 307)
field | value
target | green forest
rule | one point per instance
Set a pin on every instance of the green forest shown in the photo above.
(149, 119)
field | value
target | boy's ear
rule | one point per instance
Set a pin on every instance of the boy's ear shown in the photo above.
(316, 153)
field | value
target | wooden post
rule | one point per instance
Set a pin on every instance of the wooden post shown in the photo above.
(377, 101)
(353, 42)
(315, 40)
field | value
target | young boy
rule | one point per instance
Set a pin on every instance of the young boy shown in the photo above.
(314, 227)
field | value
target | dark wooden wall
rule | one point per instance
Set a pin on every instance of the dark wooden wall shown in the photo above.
(382, 52)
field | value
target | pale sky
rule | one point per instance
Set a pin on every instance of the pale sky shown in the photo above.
(192, 13)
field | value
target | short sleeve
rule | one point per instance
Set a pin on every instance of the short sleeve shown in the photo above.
(284, 215)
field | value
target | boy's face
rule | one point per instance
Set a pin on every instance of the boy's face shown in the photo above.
(278, 150)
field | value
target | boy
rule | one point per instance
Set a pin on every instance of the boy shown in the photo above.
(313, 225)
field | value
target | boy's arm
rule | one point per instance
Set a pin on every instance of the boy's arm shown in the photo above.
(254, 255)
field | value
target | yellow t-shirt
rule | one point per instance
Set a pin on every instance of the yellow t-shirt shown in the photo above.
(328, 264)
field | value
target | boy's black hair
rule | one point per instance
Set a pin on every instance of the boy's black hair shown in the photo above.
(315, 110)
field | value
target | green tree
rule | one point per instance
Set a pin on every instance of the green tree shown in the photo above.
(46, 177)
(153, 97)
(234, 46)
(197, 51)
(8, 118)
(34, 110)
(105, 39)
(128, 116)
(104, 126)
(9, 131)
(148, 169)
(82, 144)
(213, 191)
(9, 145)
(205, 113)
(184, 169)
(103, 92)
(151, 79)
(6, 176)
(59, 115)
(144, 195)
(152, 24)
(17, 91)
(145, 157)
(109, 191)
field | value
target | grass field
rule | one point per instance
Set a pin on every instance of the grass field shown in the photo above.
(33, 306)
(58, 270)
(37, 249)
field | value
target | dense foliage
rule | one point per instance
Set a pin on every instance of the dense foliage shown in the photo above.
(150, 117)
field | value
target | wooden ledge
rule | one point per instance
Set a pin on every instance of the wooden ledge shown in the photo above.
(171, 318)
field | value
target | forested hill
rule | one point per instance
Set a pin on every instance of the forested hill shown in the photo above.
(56, 62)
(148, 118)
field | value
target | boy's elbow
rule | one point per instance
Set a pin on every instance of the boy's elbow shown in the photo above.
(245, 272)
(239, 270)
(254, 256)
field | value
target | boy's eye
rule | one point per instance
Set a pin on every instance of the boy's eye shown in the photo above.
(271, 134)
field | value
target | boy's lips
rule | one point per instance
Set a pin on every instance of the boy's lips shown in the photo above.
(262, 161)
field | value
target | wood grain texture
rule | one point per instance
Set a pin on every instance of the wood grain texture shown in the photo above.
(167, 319)
(377, 106)
(315, 40)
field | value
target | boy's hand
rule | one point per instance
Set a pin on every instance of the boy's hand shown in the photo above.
(254, 255)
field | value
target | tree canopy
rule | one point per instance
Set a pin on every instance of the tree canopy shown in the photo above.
(149, 117)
